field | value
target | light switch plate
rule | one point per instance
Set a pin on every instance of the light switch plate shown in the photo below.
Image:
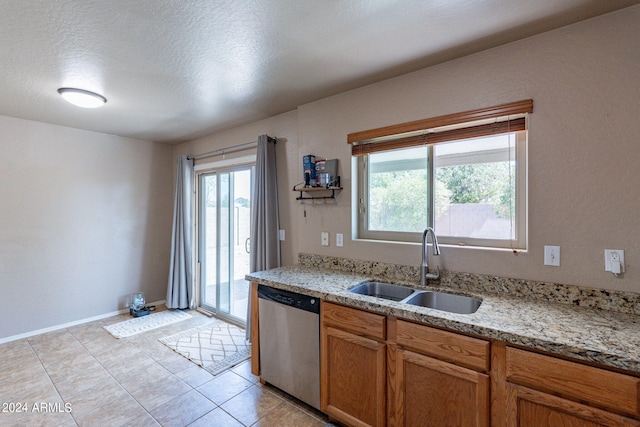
(552, 255)
(282, 235)
(339, 240)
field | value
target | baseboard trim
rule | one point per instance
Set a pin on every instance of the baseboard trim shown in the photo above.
(70, 324)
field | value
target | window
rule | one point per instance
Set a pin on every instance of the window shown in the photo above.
(469, 185)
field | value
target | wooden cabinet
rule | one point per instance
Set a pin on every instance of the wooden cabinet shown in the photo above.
(547, 391)
(378, 370)
(428, 387)
(353, 366)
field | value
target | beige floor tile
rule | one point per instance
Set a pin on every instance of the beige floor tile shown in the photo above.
(16, 348)
(287, 415)
(217, 418)
(52, 341)
(252, 404)
(144, 421)
(304, 407)
(195, 375)
(104, 344)
(134, 374)
(244, 370)
(79, 381)
(73, 367)
(175, 362)
(153, 393)
(59, 336)
(28, 385)
(88, 331)
(115, 413)
(224, 386)
(132, 367)
(38, 418)
(119, 357)
(153, 348)
(17, 366)
(64, 357)
(98, 395)
(183, 410)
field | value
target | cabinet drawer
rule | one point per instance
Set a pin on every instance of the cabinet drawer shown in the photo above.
(354, 320)
(465, 351)
(598, 387)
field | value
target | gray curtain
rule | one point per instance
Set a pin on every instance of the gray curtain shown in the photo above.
(265, 226)
(180, 287)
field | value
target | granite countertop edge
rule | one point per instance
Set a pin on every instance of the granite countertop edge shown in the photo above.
(593, 335)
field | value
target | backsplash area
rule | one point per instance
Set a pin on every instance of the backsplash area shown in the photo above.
(623, 302)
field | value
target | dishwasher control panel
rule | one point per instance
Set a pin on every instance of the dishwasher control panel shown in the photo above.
(292, 299)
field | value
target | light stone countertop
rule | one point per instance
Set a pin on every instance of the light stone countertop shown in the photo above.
(605, 337)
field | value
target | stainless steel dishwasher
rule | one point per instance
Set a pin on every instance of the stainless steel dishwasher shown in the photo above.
(290, 342)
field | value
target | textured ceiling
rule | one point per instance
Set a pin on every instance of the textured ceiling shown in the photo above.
(176, 70)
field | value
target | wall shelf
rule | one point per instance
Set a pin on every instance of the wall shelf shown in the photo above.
(315, 190)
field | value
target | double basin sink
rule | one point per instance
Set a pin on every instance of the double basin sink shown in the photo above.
(430, 299)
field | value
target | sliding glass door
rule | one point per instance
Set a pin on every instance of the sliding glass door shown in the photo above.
(224, 246)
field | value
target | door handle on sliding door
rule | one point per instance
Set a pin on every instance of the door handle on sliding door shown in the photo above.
(247, 244)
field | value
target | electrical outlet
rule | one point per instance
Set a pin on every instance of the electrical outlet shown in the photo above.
(614, 261)
(324, 238)
(552, 255)
(339, 239)
(282, 235)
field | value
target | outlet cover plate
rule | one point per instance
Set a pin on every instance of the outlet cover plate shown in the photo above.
(608, 256)
(324, 238)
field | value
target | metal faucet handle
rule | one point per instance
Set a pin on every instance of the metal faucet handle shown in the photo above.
(433, 276)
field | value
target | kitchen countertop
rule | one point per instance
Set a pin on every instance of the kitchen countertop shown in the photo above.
(601, 336)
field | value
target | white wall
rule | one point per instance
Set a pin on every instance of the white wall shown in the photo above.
(85, 219)
(583, 149)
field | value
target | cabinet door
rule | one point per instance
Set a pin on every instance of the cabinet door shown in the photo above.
(530, 408)
(593, 386)
(430, 392)
(353, 376)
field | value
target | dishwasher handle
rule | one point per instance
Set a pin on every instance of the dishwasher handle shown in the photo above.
(290, 299)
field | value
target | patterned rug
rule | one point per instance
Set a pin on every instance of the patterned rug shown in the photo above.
(146, 323)
(215, 346)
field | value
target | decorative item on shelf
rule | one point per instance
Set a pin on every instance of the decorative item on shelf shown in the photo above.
(319, 175)
(309, 170)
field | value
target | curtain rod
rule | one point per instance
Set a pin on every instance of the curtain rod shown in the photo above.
(223, 151)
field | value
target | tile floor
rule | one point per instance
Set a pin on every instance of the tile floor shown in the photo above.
(83, 376)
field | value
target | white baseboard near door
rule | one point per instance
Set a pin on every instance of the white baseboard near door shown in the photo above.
(70, 324)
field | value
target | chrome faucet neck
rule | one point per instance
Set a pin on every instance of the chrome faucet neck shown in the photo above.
(424, 265)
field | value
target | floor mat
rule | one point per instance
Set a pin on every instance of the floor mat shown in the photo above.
(146, 323)
(215, 346)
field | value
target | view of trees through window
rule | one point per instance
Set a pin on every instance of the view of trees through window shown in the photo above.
(474, 189)
(398, 200)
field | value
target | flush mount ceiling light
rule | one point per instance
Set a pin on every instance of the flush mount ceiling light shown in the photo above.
(82, 98)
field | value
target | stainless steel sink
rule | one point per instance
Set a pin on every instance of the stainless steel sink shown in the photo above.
(430, 299)
(383, 290)
(445, 302)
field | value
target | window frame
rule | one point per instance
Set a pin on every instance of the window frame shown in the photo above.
(360, 163)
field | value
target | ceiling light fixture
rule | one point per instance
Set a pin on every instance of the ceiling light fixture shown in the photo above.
(82, 98)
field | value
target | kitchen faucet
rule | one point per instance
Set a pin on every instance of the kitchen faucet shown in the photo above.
(424, 267)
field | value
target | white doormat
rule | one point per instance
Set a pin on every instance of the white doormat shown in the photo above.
(215, 346)
(146, 323)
